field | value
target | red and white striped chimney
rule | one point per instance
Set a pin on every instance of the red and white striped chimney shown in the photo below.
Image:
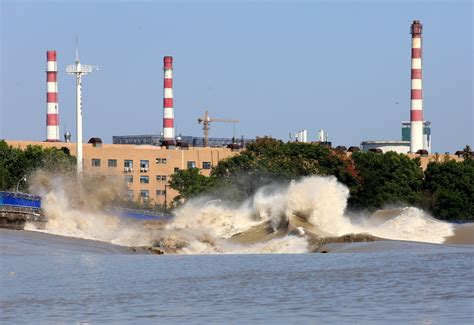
(168, 113)
(416, 107)
(52, 119)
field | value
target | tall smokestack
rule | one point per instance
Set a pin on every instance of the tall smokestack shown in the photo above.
(168, 113)
(416, 108)
(52, 119)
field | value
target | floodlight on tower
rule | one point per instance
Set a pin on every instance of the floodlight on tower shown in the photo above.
(79, 70)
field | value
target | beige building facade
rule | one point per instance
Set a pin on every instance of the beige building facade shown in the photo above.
(144, 169)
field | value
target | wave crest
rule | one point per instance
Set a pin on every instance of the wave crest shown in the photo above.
(295, 218)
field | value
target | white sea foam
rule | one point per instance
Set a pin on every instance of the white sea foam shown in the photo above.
(415, 225)
(205, 226)
(68, 216)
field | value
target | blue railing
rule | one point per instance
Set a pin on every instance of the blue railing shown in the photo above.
(21, 200)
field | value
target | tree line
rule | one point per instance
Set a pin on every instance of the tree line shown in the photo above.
(375, 180)
(17, 165)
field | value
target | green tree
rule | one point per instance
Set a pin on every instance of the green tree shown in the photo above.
(467, 153)
(10, 169)
(16, 163)
(267, 161)
(449, 189)
(386, 179)
(189, 183)
(271, 161)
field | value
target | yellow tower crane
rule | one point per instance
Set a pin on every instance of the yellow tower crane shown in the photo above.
(206, 121)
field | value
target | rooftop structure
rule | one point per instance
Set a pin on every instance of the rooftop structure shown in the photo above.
(157, 140)
(386, 146)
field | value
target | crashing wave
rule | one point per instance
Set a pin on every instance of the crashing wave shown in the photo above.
(296, 218)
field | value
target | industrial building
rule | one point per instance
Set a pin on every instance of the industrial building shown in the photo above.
(145, 170)
(416, 134)
(302, 136)
(402, 146)
(406, 134)
(386, 146)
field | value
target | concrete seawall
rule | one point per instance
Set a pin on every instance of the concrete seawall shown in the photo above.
(16, 217)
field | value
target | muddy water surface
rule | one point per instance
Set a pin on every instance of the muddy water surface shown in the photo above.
(50, 279)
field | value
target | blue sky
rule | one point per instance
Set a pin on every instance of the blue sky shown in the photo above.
(277, 66)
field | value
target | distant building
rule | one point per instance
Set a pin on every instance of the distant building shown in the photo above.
(386, 146)
(323, 136)
(301, 136)
(426, 134)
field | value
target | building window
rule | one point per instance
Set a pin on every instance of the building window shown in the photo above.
(95, 162)
(130, 194)
(176, 169)
(161, 178)
(144, 164)
(145, 195)
(206, 165)
(161, 160)
(128, 165)
(191, 164)
(160, 192)
(128, 178)
(144, 180)
(112, 163)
